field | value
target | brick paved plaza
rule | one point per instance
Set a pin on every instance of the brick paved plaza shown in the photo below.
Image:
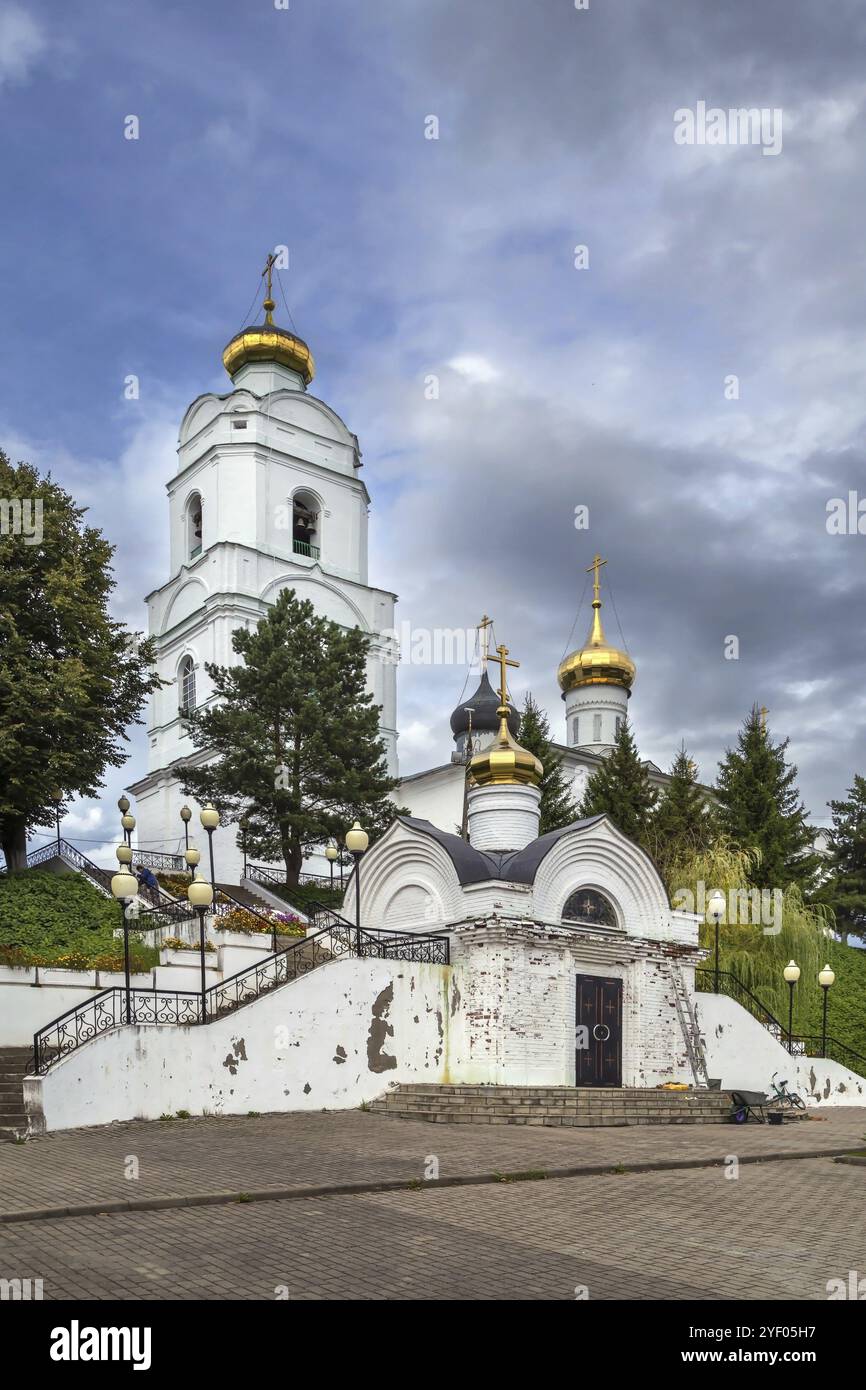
(780, 1230)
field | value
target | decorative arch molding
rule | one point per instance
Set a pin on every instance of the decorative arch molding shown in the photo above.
(405, 859)
(190, 597)
(313, 582)
(202, 412)
(599, 856)
(301, 403)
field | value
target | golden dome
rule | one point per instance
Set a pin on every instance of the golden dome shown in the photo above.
(268, 343)
(505, 763)
(596, 663)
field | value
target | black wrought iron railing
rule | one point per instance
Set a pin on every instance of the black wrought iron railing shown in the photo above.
(798, 1044)
(339, 938)
(68, 852)
(106, 1011)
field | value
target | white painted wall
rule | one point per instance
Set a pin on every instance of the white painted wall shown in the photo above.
(284, 1052)
(744, 1056)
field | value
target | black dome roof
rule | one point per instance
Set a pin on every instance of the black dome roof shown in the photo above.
(484, 704)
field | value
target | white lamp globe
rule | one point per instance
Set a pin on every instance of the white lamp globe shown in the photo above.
(792, 972)
(200, 892)
(716, 906)
(192, 856)
(210, 817)
(331, 851)
(124, 885)
(124, 854)
(357, 839)
(826, 977)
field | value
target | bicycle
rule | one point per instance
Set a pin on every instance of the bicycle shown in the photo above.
(783, 1098)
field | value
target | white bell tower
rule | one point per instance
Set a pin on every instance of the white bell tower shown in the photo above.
(267, 496)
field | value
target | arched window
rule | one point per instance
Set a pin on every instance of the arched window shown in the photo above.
(186, 685)
(193, 526)
(587, 905)
(305, 525)
(596, 728)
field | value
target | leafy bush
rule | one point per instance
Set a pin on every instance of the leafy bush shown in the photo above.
(62, 920)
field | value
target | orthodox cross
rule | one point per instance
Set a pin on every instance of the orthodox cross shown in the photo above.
(484, 639)
(764, 713)
(594, 569)
(269, 304)
(502, 657)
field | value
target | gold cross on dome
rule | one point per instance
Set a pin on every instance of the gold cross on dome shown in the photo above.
(502, 656)
(596, 583)
(484, 639)
(269, 304)
(764, 713)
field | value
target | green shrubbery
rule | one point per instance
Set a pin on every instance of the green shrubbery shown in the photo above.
(60, 919)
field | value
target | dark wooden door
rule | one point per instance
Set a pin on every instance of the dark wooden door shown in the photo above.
(598, 1031)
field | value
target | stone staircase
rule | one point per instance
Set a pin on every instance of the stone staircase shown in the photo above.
(553, 1105)
(13, 1065)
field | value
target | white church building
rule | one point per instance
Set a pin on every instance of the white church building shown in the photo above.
(268, 495)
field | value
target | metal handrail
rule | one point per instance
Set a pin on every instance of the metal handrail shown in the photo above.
(774, 1026)
(106, 1011)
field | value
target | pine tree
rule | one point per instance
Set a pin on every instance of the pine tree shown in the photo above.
(681, 825)
(620, 788)
(558, 808)
(759, 807)
(296, 736)
(845, 887)
(71, 678)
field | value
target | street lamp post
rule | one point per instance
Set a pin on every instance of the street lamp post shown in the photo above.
(123, 805)
(716, 911)
(124, 887)
(193, 859)
(792, 975)
(57, 797)
(186, 817)
(357, 841)
(200, 894)
(331, 853)
(210, 819)
(128, 823)
(826, 978)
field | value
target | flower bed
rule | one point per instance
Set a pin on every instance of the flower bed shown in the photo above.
(249, 924)
(174, 943)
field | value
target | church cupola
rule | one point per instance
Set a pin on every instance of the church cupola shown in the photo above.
(596, 683)
(504, 794)
(265, 353)
(479, 715)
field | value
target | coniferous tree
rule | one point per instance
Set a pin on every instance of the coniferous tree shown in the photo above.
(71, 678)
(621, 789)
(845, 886)
(682, 823)
(296, 736)
(759, 807)
(558, 807)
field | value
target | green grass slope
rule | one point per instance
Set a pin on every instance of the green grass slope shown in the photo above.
(61, 919)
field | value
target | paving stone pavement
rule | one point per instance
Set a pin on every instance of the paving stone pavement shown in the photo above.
(778, 1231)
(301, 1150)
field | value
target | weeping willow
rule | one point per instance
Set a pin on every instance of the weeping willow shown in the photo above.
(751, 948)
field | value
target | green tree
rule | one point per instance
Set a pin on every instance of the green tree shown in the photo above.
(844, 889)
(557, 805)
(682, 824)
(620, 788)
(759, 807)
(71, 678)
(295, 734)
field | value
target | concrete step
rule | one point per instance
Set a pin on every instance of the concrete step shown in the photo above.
(553, 1105)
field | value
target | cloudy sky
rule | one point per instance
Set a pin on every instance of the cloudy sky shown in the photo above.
(560, 386)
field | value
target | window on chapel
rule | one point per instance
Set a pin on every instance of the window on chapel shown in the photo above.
(589, 906)
(186, 683)
(193, 526)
